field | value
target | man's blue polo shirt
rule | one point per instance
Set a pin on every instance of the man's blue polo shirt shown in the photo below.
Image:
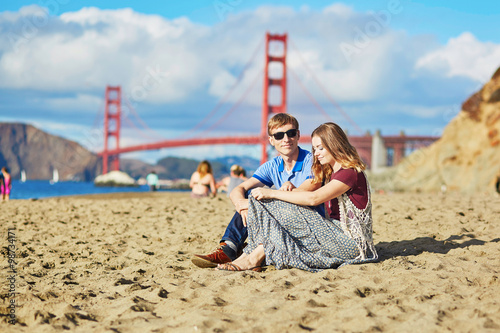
(273, 172)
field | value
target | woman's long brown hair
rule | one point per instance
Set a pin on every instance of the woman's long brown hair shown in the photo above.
(204, 168)
(334, 139)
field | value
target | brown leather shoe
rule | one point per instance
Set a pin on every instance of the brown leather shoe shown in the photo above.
(212, 259)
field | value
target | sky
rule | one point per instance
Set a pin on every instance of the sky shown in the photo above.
(195, 68)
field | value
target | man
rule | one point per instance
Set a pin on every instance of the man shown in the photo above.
(286, 172)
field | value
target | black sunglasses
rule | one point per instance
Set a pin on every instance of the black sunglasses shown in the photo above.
(290, 133)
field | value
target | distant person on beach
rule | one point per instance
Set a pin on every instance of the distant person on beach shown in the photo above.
(1, 184)
(285, 232)
(6, 184)
(152, 180)
(285, 172)
(497, 185)
(235, 178)
(202, 181)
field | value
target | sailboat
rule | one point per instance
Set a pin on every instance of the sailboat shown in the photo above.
(23, 176)
(55, 176)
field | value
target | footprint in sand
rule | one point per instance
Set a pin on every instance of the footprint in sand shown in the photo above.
(219, 301)
(122, 281)
(363, 292)
(163, 293)
(142, 305)
(313, 304)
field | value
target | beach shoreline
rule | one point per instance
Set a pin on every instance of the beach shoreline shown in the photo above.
(121, 262)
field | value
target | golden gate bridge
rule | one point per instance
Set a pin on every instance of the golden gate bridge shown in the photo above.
(369, 147)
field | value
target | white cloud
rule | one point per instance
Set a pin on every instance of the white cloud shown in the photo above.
(463, 56)
(31, 12)
(339, 9)
(221, 83)
(91, 48)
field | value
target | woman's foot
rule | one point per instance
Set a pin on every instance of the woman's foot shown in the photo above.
(245, 262)
(234, 268)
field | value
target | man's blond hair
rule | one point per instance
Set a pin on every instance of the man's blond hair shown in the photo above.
(281, 119)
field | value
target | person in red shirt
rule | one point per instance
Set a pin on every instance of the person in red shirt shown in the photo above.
(285, 232)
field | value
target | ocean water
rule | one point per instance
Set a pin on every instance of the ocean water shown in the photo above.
(44, 189)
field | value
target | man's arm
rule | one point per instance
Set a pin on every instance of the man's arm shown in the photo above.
(237, 196)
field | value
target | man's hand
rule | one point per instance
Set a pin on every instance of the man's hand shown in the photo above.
(288, 186)
(308, 186)
(262, 193)
(241, 205)
(244, 216)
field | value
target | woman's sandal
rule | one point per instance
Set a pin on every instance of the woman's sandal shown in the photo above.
(234, 268)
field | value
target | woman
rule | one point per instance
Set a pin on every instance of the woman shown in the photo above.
(202, 181)
(287, 233)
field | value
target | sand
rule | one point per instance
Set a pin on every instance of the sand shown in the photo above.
(121, 263)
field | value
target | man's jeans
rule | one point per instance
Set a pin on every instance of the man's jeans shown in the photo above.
(236, 232)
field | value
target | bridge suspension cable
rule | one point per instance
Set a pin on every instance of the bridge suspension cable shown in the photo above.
(309, 95)
(144, 134)
(235, 105)
(225, 97)
(146, 129)
(342, 112)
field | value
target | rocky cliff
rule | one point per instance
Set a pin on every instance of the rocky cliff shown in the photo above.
(24, 147)
(467, 157)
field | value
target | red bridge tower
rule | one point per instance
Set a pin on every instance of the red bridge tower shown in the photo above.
(269, 82)
(112, 116)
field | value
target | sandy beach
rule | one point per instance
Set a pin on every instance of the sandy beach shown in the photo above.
(121, 263)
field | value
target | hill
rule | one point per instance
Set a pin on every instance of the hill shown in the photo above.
(24, 147)
(467, 156)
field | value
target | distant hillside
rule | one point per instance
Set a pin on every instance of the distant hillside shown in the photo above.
(248, 163)
(178, 168)
(137, 168)
(24, 147)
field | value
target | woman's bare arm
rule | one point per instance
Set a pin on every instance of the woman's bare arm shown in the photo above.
(305, 198)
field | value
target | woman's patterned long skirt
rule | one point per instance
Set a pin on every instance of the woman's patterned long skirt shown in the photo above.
(297, 236)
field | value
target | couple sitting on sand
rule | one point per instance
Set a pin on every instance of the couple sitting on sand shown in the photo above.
(287, 227)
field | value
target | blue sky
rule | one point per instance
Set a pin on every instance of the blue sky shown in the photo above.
(391, 65)
(440, 18)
